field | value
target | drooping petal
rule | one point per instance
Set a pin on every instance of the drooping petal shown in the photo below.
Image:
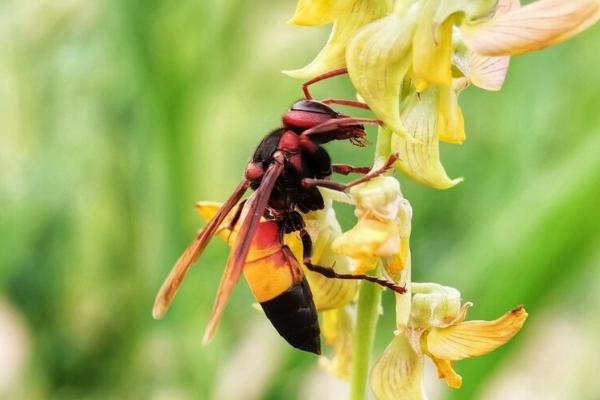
(474, 338)
(420, 158)
(348, 17)
(446, 372)
(338, 329)
(378, 58)
(451, 123)
(533, 27)
(398, 373)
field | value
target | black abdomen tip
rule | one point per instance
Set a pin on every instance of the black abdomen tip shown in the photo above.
(294, 316)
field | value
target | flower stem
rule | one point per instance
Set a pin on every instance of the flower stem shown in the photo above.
(369, 300)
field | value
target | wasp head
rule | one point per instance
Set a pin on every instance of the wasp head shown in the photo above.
(306, 114)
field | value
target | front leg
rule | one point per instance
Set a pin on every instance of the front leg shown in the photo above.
(341, 187)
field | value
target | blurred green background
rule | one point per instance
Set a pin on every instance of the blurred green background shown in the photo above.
(117, 116)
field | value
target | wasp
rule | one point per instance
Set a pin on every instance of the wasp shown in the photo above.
(286, 170)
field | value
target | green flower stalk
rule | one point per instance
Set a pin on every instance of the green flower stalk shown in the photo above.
(409, 60)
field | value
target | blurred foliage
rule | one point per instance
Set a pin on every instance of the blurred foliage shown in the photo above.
(118, 115)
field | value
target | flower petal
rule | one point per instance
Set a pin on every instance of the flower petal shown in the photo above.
(446, 372)
(378, 58)
(451, 123)
(318, 12)
(420, 158)
(338, 330)
(398, 373)
(488, 73)
(532, 27)
(432, 49)
(327, 293)
(474, 338)
(207, 210)
(348, 17)
(369, 238)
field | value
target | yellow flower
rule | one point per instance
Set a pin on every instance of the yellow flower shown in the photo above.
(437, 329)
(383, 227)
(409, 63)
(348, 16)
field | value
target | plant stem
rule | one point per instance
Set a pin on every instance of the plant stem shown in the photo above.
(369, 301)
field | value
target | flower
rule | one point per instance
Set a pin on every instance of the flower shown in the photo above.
(382, 230)
(409, 63)
(437, 329)
(347, 16)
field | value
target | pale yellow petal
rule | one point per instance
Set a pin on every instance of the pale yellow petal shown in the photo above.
(533, 27)
(420, 159)
(446, 372)
(327, 293)
(348, 17)
(398, 373)
(474, 338)
(378, 58)
(369, 238)
(432, 49)
(338, 330)
(318, 12)
(451, 123)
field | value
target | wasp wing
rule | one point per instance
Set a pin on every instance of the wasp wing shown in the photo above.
(192, 252)
(255, 208)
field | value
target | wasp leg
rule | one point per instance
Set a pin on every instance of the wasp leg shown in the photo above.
(341, 187)
(327, 75)
(330, 273)
(346, 169)
(348, 103)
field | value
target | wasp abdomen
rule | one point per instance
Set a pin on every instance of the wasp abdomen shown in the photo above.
(294, 315)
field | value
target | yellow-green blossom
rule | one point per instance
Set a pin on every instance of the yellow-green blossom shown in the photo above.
(437, 329)
(348, 16)
(383, 227)
(433, 49)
